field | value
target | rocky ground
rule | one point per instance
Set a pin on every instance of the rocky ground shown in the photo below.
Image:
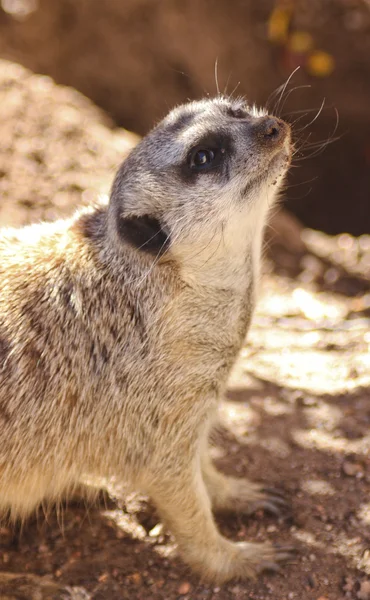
(296, 416)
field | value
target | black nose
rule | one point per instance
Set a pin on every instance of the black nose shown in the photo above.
(271, 129)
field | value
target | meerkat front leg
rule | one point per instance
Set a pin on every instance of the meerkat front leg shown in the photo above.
(239, 494)
(182, 501)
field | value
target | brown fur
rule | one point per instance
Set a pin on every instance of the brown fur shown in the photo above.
(114, 366)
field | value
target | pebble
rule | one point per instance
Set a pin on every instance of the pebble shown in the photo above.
(236, 590)
(352, 469)
(349, 583)
(364, 591)
(156, 531)
(135, 578)
(184, 588)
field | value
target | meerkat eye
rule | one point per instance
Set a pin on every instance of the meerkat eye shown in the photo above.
(201, 158)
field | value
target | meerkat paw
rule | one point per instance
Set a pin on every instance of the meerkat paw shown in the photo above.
(243, 496)
(244, 560)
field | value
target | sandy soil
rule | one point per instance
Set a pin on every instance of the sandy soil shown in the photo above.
(296, 416)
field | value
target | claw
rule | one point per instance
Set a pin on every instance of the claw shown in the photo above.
(267, 565)
(278, 500)
(272, 504)
(271, 491)
(267, 506)
(285, 553)
(291, 549)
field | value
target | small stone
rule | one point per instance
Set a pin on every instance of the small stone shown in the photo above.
(322, 598)
(184, 588)
(156, 531)
(134, 578)
(349, 583)
(236, 590)
(352, 469)
(364, 591)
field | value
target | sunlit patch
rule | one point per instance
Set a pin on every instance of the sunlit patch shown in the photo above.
(307, 538)
(324, 416)
(364, 513)
(165, 550)
(353, 549)
(312, 308)
(275, 305)
(276, 446)
(126, 523)
(273, 407)
(322, 440)
(241, 420)
(317, 487)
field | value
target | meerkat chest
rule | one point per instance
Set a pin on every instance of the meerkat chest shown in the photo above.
(209, 328)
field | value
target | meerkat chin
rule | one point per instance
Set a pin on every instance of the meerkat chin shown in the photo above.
(119, 327)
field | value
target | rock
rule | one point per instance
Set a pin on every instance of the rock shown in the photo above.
(364, 591)
(184, 588)
(352, 469)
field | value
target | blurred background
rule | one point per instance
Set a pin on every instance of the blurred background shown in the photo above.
(137, 58)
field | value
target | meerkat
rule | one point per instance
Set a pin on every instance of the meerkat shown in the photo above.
(119, 327)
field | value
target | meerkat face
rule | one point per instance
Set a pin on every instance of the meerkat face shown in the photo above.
(204, 177)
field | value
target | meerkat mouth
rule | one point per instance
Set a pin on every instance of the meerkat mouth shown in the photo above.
(268, 170)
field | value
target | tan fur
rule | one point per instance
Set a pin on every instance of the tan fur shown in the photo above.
(113, 364)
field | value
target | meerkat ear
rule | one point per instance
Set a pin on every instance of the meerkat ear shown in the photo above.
(144, 233)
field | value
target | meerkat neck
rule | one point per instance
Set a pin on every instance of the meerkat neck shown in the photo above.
(230, 259)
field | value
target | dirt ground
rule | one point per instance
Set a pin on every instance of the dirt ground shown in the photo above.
(296, 416)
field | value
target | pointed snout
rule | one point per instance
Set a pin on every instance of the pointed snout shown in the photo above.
(271, 130)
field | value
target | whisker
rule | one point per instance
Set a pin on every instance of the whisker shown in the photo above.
(320, 147)
(234, 90)
(297, 87)
(277, 90)
(303, 110)
(216, 77)
(304, 195)
(277, 104)
(224, 93)
(292, 185)
(315, 117)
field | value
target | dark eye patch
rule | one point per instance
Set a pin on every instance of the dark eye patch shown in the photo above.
(216, 140)
(144, 233)
(220, 143)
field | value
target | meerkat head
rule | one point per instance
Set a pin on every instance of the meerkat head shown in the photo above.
(201, 181)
